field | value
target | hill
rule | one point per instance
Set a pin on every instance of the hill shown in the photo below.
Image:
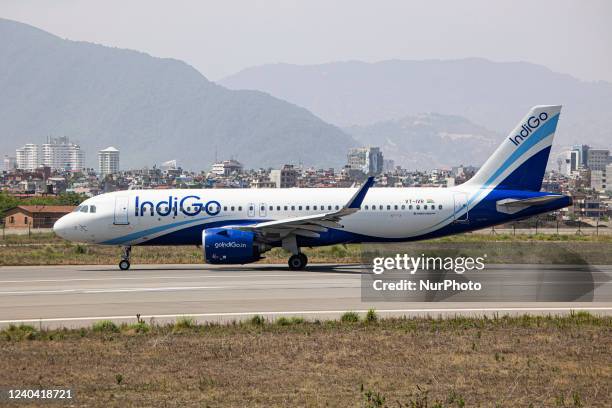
(493, 94)
(429, 141)
(152, 109)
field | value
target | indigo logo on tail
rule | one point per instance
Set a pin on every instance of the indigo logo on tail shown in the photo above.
(528, 128)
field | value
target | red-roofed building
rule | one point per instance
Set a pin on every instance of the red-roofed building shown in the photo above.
(35, 216)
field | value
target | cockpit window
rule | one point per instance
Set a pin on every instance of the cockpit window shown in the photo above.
(84, 209)
(77, 209)
(92, 208)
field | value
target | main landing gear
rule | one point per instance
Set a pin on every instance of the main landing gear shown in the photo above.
(298, 262)
(124, 264)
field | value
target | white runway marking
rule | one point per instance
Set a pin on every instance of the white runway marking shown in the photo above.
(317, 312)
(118, 290)
(150, 277)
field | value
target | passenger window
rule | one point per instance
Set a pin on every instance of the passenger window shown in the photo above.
(366, 207)
(278, 208)
(286, 208)
(300, 208)
(337, 207)
(239, 208)
(232, 208)
(293, 208)
(388, 207)
(251, 208)
(380, 207)
(440, 207)
(373, 208)
(329, 207)
(92, 208)
(425, 207)
(84, 209)
(418, 207)
(271, 208)
(314, 208)
(403, 206)
(224, 208)
(395, 207)
(307, 208)
(263, 208)
(410, 207)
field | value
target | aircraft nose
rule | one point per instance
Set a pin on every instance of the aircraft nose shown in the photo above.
(61, 227)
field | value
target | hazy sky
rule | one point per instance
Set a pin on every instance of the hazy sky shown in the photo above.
(222, 37)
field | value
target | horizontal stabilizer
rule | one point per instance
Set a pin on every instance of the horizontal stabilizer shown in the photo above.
(511, 205)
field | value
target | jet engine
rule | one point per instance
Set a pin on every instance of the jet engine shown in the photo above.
(229, 246)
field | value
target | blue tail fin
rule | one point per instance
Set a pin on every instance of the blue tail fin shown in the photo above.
(520, 162)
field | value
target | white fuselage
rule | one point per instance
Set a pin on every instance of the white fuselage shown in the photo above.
(137, 216)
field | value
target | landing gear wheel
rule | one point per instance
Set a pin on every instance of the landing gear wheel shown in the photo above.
(124, 265)
(297, 262)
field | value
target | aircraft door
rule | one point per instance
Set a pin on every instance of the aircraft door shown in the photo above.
(262, 209)
(461, 208)
(251, 210)
(121, 210)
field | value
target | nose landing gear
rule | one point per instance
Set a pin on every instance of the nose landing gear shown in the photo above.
(124, 264)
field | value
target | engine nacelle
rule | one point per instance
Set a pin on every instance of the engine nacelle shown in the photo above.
(229, 246)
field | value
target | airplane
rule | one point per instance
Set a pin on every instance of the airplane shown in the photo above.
(237, 226)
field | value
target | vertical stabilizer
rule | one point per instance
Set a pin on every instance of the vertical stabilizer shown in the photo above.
(520, 162)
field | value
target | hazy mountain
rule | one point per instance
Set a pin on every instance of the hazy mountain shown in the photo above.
(152, 109)
(495, 95)
(429, 141)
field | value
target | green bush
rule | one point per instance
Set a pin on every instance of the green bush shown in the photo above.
(258, 320)
(140, 327)
(349, 317)
(184, 322)
(106, 326)
(283, 321)
(371, 317)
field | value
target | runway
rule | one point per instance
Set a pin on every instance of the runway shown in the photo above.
(74, 296)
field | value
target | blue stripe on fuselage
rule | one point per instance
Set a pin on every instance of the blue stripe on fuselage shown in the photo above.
(484, 214)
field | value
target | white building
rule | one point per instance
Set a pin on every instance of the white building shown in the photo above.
(168, 165)
(571, 162)
(28, 157)
(61, 155)
(108, 161)
(367, 159)
(10, 163)
(226, 167)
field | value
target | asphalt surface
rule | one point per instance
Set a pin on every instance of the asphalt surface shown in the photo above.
(74, 296)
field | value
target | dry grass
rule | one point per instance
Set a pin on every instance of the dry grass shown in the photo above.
(507, 362)
(537, 252)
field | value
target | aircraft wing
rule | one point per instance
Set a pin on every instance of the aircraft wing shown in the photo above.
(309, 225)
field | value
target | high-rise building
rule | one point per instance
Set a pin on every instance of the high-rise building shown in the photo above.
(597, 159)
(108, 161)
(9, 164)
(28, 157)
(581, 155)
(367, 159)
(61, 155)
(285, 177)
